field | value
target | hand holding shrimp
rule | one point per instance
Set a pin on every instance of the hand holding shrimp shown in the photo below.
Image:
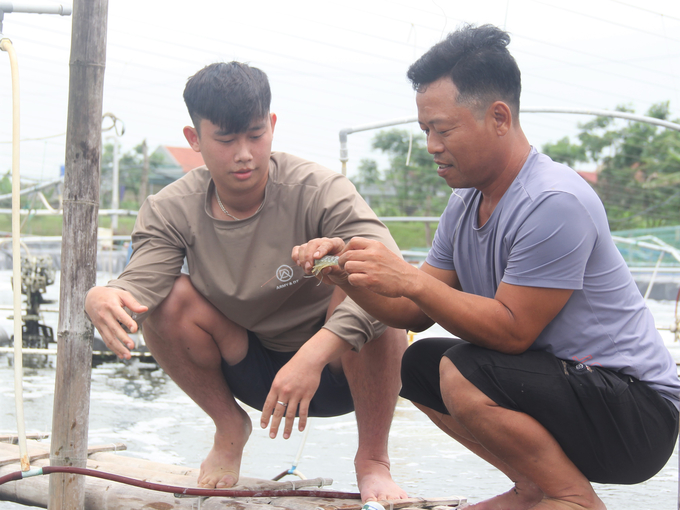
(371, 265)
(320, 257)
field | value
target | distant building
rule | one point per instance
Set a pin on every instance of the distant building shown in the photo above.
(174, 162)
(590, 177)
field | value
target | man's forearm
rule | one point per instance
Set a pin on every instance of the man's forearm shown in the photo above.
(509, 322)
(323, 348)
(399, 313)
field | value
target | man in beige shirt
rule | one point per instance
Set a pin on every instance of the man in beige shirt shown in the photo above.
(245, 323)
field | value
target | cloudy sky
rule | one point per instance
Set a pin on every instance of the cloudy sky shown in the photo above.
(334, 64)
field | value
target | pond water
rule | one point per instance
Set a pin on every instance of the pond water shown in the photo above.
(140, 406)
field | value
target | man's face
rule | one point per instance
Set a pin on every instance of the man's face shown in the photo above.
(238, 162)
(460, 139)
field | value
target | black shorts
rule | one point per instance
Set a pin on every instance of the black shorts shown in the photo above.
(613, 427)
(251, 379)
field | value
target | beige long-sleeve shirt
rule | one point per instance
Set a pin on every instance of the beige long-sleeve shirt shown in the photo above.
(244, 268)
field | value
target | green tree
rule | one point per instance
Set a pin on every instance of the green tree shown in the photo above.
(368, 173)
(638, 167)
(412, 173)
(6, 184)
(410, 186)
(130, 174)
(565, 152)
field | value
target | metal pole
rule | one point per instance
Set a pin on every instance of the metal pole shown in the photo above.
(344, 154)
(35, 7)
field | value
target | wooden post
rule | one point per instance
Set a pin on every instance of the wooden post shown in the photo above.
(79, 252)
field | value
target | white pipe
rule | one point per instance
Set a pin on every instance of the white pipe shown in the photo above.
(35, 7)
(635, 242)
(33, 189)
(30, 350)
(653, 278)
(302, 446)
(606, 113)
(45, 202)
(57, 239)
(344, 155)
(45, 212)
(6, 45)
(21, 243)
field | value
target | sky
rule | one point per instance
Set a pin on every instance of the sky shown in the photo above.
(332, 65)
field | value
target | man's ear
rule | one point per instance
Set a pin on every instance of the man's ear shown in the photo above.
(272, 117)
(191, 135)
(502, 117)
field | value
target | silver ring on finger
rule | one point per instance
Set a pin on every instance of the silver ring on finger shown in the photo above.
(282, 403)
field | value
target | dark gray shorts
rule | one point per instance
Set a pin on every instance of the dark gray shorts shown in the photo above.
(613, 427)
(251, 379)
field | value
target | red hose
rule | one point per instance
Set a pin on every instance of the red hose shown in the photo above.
(187, 491)
(11, 477)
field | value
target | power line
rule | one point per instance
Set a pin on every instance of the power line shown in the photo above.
(645, 10)
(610, 22)
(37, 139)
(590, 54)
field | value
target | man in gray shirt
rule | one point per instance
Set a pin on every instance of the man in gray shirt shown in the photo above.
(558, 376)
(245, 323)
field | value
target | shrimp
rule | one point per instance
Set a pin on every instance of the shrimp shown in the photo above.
(321, 264)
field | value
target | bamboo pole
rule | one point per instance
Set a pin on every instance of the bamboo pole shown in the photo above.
(79, 252)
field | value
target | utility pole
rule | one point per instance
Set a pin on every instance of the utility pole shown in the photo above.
(118, 128)
(115, 192)
(145, 174)
(70, 420)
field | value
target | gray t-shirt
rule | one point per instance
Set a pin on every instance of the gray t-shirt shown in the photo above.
(244, 268)
(550, 230)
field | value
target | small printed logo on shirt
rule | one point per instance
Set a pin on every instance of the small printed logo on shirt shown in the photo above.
(284, 273)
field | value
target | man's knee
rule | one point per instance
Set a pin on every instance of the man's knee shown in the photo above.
(182, 298)
(387, 349)
(181, 292)
(420, 364)
(462, 399)
(392, 341)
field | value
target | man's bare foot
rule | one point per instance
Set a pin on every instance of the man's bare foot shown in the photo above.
(521, 497)
(525, 496)
(221, 468)
(375, 481)
(593, 503)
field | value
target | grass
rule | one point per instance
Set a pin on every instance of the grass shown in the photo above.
(408, 235)
(412, 234)
(51, 225)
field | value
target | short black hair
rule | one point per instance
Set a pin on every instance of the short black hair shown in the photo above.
(231, 95)
(478, 62)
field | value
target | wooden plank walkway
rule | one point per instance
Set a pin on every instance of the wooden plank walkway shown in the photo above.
(108, 495)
